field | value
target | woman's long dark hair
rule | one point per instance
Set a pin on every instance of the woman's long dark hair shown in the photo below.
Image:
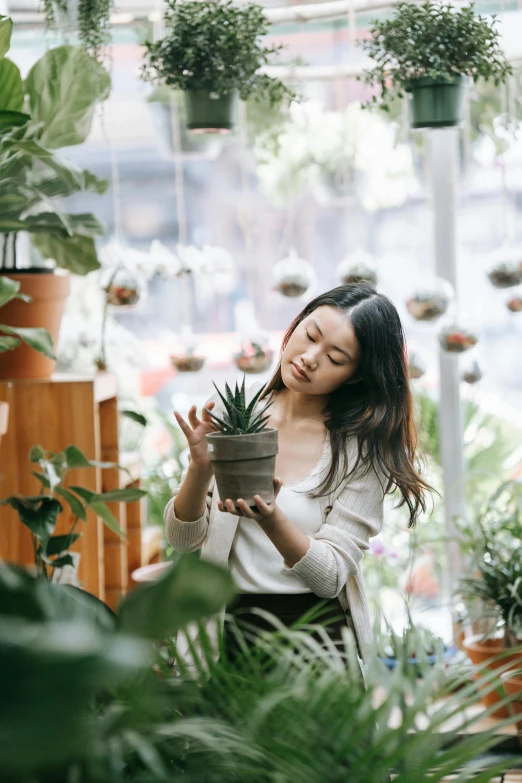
(376, 405)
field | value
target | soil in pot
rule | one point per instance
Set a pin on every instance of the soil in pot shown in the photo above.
(481, 651)
(244, 465)
(49, 290)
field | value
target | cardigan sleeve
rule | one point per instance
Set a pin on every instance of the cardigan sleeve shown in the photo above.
(189, 536)
(337, 549)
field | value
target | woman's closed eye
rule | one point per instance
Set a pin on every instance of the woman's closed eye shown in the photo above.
(337, 364)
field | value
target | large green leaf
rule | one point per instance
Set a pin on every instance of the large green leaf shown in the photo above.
(37, 338)
(108, 518)
(38, 513)
(191, 589)
(8, 343)
(126, 495)
(13, 119)
(8, 289)
(76, 253)
(6, 28)
(76, 506)
(58, 544)
(64, 87)
(77, 459)
(11, 87)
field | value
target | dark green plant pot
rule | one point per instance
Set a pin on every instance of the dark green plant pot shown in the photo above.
(210, 115)
(436, 104)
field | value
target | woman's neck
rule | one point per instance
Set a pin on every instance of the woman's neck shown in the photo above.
(293, 406)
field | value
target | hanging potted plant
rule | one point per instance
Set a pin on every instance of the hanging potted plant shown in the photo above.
(243, 451)
(40, 242)
(89, 18)
(212, 52)
(430, 51)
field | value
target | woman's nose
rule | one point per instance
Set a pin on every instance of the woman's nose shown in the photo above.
(309, 358)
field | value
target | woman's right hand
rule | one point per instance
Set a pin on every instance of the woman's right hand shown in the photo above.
(195, 435)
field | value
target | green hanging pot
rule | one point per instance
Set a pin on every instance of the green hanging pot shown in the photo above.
(436, 104)
(207, 113)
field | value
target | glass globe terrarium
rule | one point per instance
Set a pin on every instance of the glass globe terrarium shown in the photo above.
(472, 373)
(185, 355)
(505, 266)
(124, 288)
(514, 303)
(457, 334)
(357, 269)
(293, 276)
(254, 356)
(416, 365)
(430, 300)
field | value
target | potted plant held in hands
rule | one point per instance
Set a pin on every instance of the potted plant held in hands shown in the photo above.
(243, 451)
(212, 52)
(430, 51)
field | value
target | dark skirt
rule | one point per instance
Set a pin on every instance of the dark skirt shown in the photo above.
(289, 609)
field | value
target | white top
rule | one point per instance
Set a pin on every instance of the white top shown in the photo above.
(255, 564)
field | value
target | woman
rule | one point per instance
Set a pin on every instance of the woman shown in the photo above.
(343, 409)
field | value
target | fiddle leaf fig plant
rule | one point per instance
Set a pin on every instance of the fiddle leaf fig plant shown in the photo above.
(52, 108)
(431, 41)
(11, 336)
(39, 513)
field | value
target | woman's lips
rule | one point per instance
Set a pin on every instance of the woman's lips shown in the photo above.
(299, 374)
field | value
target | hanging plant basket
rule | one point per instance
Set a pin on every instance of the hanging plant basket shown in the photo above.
(431, 301)
(254, 358)
(124, 289)
(514, 303)
(208, 112)
(472, 373)
(457, 339)
(416, 366)
(188, 362)
(436, 104)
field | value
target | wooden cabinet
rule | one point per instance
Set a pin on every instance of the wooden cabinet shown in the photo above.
(54, 413)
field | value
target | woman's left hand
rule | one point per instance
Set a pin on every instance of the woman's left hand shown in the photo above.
(241, 509)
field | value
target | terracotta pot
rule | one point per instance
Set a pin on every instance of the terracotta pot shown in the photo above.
(512, 682)
(244, 465)
(49, 290)
(4, 411)
(151, 572)
(481, 651)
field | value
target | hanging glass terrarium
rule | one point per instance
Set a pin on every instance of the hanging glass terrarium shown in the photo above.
(293, 276)
(472, 373)
(505, 266)
(456, 335)
(514, 303)
(431, 300)
(187, 359)
(123, 288)
(358, 268)
(416, 365)
(254, 357)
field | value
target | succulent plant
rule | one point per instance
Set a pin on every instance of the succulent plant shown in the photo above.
(238, 418)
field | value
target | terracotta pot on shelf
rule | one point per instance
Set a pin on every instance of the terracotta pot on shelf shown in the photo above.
(481, 652)
(49, 289)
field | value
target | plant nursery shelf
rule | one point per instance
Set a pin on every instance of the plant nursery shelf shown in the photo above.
(54, 413)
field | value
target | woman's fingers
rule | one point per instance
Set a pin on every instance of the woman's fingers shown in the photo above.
(205, 417)
(187, 432)
(193, 418)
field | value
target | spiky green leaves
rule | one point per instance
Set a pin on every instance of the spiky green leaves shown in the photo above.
(238, 418)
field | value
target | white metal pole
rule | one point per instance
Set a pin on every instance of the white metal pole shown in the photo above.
(443, 151)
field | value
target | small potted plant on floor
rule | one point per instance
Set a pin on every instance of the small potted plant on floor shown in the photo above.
(430, 51)
(212, 52)
(493, 543)
(243, 451)
(40, 243)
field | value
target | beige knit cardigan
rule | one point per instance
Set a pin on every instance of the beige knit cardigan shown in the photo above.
(332, 565)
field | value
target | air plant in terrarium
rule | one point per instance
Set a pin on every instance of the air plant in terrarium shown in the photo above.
(357, 269)
(293, 276)
(505, 270)
(187, 359)
(123, 288)
(514, 303)
(430, 301)
(456, 336)
(416, 365)
(254, 357)
(472, 373)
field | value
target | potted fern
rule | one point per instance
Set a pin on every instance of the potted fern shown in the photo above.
(430, 51)
(212, 52)
(244, 449)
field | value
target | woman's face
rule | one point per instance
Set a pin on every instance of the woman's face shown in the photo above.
(321, 354)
